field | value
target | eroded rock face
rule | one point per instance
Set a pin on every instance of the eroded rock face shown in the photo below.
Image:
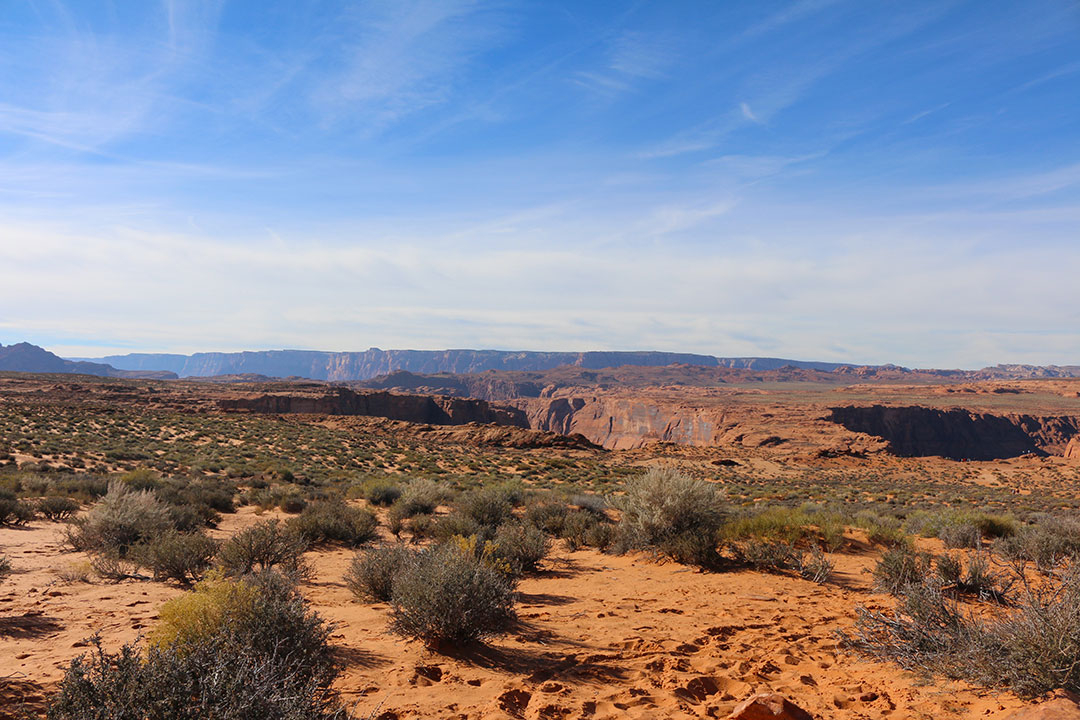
(768, 706)
(1072, 450)
(432, 410)
(959, 434)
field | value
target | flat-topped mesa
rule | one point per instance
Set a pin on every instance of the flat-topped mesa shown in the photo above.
(960, 434)
(434, 410)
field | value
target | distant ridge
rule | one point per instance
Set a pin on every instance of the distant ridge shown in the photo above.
(345, 366)
(24, 357)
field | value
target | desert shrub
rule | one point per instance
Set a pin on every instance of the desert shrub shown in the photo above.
(1032, 648)
(672, 513)
(110, 566)
(15, 512)
(458, 524)
(371, 573)
(5, 567)
(84, 488)
(513, 490)
(576, 527)
(521, 546)
(960, 535)
(766, 554)
(263, 546)
(141, 479)
(900, 567)
(182, 557)
(229, 650)
(57, 508)
(449, 595)
(420, 497)
(600, 535)
(421, 527)
(982, 581)
(1047, 544)
(488, 507)
(814, 565)
(950, 570)
(548, 516)
(596, 504)
(379, 491)
(292, 504)
(75, 572)
(120, 519)
(334, 521)
(774, 524)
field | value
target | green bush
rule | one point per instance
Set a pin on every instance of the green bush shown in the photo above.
(672, 513)
(182, 557)
(449, 595)
(334, 521)
(264, 546)
(371, 573)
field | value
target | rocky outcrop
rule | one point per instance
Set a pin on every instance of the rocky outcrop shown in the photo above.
(1062, 705)
(1072, 450)
(768, 706)
(434, 410)
(959, 434)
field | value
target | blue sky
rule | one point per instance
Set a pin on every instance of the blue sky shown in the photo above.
(854, 181)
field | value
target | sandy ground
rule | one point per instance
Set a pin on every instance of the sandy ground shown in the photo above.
(600, 636)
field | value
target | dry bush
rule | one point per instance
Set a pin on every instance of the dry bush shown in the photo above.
(521, 546)
(900, 567)
(371, 573)
(334, 521)
(264, 546)
(449, 595)
(57, 508)
(183, 557)
(420, 497)
(121, 519)
(378, 491)
(548, 516)
(5, 567)
(487, 507)
(1030, 647)
(14, 511)
(229, 650)
(673, 514)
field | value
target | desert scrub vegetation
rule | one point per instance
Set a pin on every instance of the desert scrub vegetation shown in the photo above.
(673, 514)
(268, 545)
(177, 556)
(1031, 645)
(121, 519)
(334, 521)
(371, 572)
(14, 511)
(230, 650)
(449, 595)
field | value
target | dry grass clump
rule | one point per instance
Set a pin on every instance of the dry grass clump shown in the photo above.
(672, 513)
(519, 546)
(230, 650)
(901, 567)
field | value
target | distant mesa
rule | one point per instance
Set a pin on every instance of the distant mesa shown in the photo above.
(24, 357)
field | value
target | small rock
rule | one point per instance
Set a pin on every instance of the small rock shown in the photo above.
(1063, 706)
(768, 706)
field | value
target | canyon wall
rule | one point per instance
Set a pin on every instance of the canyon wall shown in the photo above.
(426, 409)
(960, 434)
